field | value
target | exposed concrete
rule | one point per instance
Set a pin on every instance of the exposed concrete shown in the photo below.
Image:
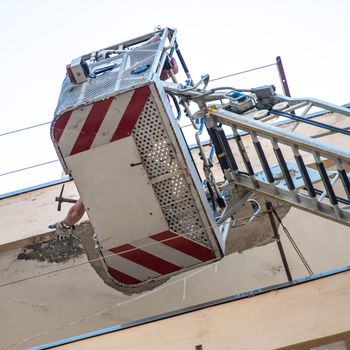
(53, 250)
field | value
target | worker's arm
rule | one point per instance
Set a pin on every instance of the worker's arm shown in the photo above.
(66, 227)
(75, 213)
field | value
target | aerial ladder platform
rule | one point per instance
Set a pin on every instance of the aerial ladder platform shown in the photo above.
(291, 182)
(117, 133)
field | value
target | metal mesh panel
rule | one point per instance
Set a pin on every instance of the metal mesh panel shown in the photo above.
(173, 193)
(143, 56)
(180, 210)
(157, 153)
(110, 82)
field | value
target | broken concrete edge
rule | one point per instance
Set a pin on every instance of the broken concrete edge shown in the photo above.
(27, 241)
(56, 251)
(22, 243)
(84, 233)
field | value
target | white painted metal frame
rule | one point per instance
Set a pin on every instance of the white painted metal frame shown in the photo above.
(192, 175)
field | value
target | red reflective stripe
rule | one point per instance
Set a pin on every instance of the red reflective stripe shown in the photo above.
(122, 248)
(150, 261)
(132, 113)
(70, 74)
(91, 126)
(184, 245)
(122, 277)
(60, 125)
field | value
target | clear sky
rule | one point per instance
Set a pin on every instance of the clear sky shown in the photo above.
(38, 38)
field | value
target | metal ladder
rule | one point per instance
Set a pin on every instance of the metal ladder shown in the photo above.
(309, 189)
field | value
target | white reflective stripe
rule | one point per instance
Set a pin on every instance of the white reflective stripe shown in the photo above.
(128, 267)
(165, 252)
(112, 119)
(73, 128)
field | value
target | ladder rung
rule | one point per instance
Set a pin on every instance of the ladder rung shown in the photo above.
(263, 161)
(327, 184)
(305, 174)
(244, 155)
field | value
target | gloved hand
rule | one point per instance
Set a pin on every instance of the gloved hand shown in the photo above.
(62, 230)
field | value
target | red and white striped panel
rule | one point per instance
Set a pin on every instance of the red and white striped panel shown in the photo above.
(99, 123)
(158, 255)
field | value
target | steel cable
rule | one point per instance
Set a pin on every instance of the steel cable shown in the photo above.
(29, 167)
(244, 71)
(24, 129)
(295, 246)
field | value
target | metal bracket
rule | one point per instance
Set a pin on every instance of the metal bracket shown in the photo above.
(237, 199)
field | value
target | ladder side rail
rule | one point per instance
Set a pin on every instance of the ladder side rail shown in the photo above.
(296, 142)
(338, 155)
(317, 103)
(283, 136)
